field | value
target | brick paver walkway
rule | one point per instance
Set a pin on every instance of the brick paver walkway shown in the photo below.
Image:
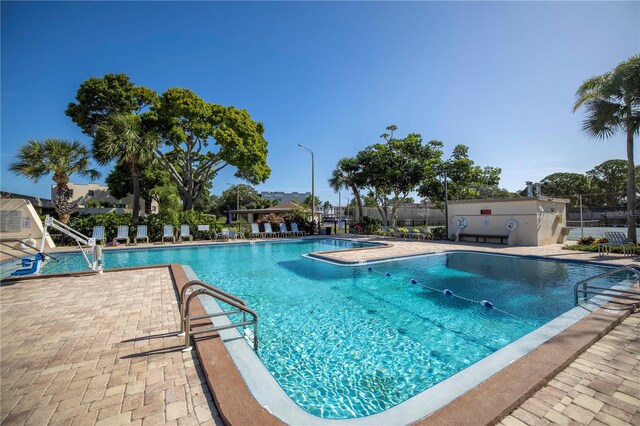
(602, 386)
(98, 350)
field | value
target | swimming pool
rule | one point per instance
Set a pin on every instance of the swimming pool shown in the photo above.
(346, 342)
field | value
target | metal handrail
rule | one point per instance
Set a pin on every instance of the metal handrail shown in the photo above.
(183, 298)
(240, 308)
(607, 291)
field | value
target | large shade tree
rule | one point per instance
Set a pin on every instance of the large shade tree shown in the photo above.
(391, 170)
(204, 138)
(466, 180)
(62, 158)
(121, 137)
(347, 175)
(97, 99)
(566, 185)
(612, 104)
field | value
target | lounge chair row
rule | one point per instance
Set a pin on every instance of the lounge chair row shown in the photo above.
(269, 232)
(185, 233)
(142, 234)
(411, 232)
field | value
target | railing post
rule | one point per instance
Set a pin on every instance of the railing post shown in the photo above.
(187, 332)
(255, 334)
(181, 332)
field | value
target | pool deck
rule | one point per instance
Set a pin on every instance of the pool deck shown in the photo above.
(85, 349)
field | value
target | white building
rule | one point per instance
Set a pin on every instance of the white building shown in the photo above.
(285, 197)
(82, 194)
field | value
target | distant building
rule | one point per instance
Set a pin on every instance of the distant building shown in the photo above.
(83, 194)
(285, 197)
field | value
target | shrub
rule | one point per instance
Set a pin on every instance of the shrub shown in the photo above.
(371, 225)
(85, 223)
(586, 241)
(438, 233)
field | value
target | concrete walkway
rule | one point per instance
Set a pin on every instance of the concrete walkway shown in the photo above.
(602, 386)
(98, 350)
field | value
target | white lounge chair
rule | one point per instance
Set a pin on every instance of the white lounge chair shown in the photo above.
(616, 239)
(98, 234)
(295, 230)
(255, 231)
(168, 233)
(123, 234)
(268, 232)
(283, 230)
(141, 234)
(185, 233)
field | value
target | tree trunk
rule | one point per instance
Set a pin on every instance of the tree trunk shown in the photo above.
(356, 194)
(394, 211)
(135, 177)
(187, 201)
(62, 206)
(631, 187)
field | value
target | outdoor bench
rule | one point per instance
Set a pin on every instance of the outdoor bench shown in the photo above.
(484, 237)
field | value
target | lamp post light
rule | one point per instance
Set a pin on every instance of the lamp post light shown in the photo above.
(446, 206)
(237, 199)
(313, 192)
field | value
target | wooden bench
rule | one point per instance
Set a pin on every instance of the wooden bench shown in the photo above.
(484, 237)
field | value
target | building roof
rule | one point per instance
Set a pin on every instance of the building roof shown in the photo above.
(511, 200)
(35, 201)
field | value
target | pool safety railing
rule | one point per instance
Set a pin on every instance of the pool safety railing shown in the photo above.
(583, 288)
(188, 294)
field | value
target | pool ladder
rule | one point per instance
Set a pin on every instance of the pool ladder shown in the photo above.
(625, 296)
(187, 296)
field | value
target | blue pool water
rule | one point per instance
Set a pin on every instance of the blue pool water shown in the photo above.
(347, 342)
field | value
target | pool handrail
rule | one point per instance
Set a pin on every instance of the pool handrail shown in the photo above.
(239, 309)
(184, 296)
(607, 291)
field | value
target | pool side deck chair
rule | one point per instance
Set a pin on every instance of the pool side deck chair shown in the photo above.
(255, 231)
(168, 233)
(283, 230)
(98, 234)
(123, 234)
(296, 231)
(141, 234)
(268, 231)
(616, 239)
(185, 233)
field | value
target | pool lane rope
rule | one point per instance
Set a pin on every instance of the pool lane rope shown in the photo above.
(449, 293)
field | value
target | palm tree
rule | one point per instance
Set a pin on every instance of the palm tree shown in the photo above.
(61, 157)
(345, 176)
(121, 137)
(612, 102)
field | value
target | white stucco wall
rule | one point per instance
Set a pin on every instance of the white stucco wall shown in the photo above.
(20, 221)
(540, 221)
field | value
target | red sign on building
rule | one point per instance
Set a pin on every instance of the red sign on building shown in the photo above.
(485, 211)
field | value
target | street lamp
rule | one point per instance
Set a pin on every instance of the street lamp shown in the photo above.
(313, 192)
(237, 199)
(446, 206)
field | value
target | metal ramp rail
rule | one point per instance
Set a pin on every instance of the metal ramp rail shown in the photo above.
(81, 239)
(626, 297)
(187, 295)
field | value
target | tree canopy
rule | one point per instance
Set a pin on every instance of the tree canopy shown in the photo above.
(188, 126)
(612, 104)
(62, 158)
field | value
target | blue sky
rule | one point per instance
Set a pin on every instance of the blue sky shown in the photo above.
(499, 77)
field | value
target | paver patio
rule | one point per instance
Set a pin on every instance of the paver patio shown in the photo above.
(602, 386)
(98, 349)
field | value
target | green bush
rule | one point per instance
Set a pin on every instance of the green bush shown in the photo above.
(438, 233)
(586, 241)
(85, 223)
(371, 225)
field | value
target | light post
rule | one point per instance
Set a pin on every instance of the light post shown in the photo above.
(446, 206)
(237, 199)
(313, 192)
